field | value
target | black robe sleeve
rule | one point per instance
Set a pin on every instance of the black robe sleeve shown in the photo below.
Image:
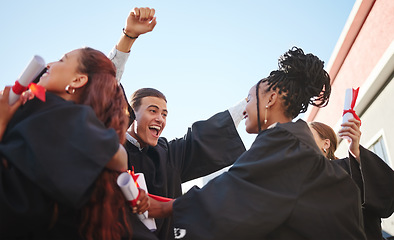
(208, 146)
(377, 184)
(279, 189)
(59, 146)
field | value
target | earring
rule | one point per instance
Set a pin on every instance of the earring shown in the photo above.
(265, 116)
(70, 90)
(325, 150)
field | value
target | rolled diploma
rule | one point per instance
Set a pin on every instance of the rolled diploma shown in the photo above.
(149, 222)
(126, 183)
(348, 105)
(35, 67)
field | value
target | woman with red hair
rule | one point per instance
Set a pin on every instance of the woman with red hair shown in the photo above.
(61, 158)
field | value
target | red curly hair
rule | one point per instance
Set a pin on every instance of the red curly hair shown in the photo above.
(106, 215)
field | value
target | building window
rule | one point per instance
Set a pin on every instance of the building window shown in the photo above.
(378, 147)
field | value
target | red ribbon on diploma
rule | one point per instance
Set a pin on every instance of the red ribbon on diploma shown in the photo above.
(158, 198)
(351, 110)
(37, 90)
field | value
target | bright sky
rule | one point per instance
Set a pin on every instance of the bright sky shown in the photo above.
(203, 55)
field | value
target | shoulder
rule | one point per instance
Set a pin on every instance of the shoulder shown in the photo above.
(288, 141)
(288, 132)
(162, 144)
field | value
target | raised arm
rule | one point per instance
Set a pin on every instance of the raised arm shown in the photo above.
(237, 112)
(139, 21)
(351, 130)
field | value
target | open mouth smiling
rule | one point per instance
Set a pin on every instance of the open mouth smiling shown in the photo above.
(155, 130)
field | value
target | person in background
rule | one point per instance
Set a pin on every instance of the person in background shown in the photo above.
(207, 146)
(282, 187)
(60, 158)
(373, 176)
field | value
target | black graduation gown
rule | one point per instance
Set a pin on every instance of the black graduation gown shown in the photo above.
(55, 151)
(281, 188)
(208, 146)
(376, 182)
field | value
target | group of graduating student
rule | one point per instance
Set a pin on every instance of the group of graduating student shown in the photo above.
(60, 182)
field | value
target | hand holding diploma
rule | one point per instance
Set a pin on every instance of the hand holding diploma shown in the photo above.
(351, 123)
(136, 196)
(6, 110)
(31, 72)
(351, 131)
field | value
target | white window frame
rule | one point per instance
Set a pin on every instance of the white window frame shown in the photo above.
(374, 139)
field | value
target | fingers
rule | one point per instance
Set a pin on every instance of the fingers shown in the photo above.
(146, 14)
(143, 14)
(143, 203)
(135, 12)
(140, 21)
(28, 95)
(351, 129)
(354, 121)
(351, 125)
(151, 15)
(7, 111)
(5, 94)
(152, 24)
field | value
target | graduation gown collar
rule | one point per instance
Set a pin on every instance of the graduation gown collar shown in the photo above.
(300, 129)
(133, 141)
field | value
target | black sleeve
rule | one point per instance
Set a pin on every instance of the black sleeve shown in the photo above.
(378, 179)
(208, 146)
(62, 149)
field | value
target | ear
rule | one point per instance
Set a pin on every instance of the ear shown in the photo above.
(79, 81)
(273, 97)
(326, 144)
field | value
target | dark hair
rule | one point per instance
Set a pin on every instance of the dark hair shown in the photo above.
(137, 96)
(106, 215)
(326, 132)
(300, 80)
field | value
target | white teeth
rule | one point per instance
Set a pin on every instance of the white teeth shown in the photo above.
(155, 127)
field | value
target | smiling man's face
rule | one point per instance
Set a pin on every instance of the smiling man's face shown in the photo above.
(150, 121)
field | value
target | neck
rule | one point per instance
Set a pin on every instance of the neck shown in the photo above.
(275, 119)
(135, 136)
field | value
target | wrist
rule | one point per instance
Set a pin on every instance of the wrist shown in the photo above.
(167, 208)
(130, 34)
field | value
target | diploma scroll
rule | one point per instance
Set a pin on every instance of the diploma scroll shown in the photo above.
(348, 108)
(31, 72)
(129, 188)
(350, 102)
